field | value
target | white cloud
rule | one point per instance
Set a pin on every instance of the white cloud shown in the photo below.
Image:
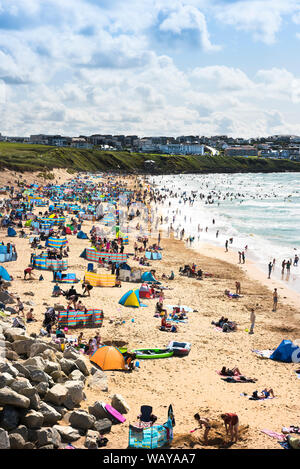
(187, 17)
(262, 18)
(86, 69)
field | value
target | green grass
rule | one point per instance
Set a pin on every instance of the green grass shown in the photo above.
(22, 157)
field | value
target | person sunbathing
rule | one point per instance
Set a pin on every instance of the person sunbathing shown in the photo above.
(265, 393)
(228, 372)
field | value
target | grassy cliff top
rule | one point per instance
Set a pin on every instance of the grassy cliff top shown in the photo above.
(25, 157)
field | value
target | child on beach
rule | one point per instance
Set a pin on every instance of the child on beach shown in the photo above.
(205, 423)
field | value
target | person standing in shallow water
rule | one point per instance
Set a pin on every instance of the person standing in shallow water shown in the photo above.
(270, 266)
(226, 245)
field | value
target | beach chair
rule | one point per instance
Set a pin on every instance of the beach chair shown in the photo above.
(90, 267)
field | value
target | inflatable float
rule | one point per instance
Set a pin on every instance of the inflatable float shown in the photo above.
(144, 353)
(180, 349)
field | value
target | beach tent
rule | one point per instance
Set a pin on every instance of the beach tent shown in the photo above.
(82, 235)
(100, 280)
(145, 291)
(56, 242)
(65, 278)
(4, 274)
(148, 277)
(91, 318)
(286, 352)
(11, 232)
(129, 275)
(108, 358)
(155, 436)
(153, 256)
(6, 256)
(131, 299)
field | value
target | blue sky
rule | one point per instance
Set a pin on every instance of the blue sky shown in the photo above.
(150, 67)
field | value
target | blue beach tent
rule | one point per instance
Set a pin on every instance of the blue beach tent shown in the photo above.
(11, 232)
(148, 277)
(4, 274)
(286, 352)
(131, 299)
(82, 235)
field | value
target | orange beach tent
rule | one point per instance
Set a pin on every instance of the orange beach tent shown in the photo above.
(108, 358)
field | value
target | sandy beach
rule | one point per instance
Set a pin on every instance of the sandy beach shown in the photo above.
(191, 384)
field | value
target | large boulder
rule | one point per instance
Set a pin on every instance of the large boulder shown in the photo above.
(119, 403)
(51, 415)
(39, 376)
(21, 369)
(68, 434)
(71, 353)
(21, 430)
(50, 367)
(6, 367)
(59, 376)
(75, 391)
(82, 419)
(38, 348)
(48, 436)
(11, 355)
(42, 388)
(82, 366)
(50, 355)
(33, 419)
(16, 441)
(19, 384)
(98, 381)
(57, 394)
(9, 418)
(22, 347)
(15, 333)
(4, 439)
(35, 362)
(6, 379)
(97, 410)
(34, 397)
(103, 426)
(91, 439)
(76, 375)
(67, 365)
(10, 397)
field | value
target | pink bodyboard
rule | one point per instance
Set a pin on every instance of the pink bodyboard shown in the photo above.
(115, 413)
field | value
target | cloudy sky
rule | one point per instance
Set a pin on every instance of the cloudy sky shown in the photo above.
(150, 67)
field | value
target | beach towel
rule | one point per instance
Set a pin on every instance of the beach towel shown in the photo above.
(263, 353)
(277, 436)
(238, 379)
(253, 399)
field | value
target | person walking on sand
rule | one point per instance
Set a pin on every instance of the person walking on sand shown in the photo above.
(243, 257)
(240, 257)
(252, 320)
(275, 299)
(231, 422)
(270, 267)
(226, 245)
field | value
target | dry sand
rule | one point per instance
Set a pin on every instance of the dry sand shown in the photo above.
(191, 383)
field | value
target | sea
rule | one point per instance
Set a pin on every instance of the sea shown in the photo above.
(260, 211)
